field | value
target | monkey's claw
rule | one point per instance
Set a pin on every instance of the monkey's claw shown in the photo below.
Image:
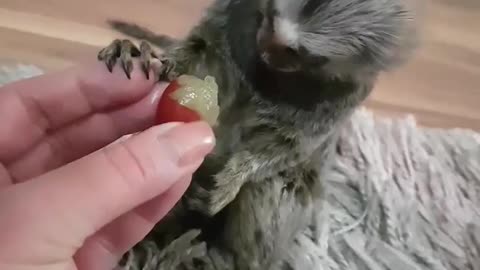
(125, 50)
(167, 70)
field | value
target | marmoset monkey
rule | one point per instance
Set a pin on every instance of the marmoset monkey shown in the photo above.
(289, 73)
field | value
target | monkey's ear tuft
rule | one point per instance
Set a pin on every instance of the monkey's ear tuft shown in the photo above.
(409, 23)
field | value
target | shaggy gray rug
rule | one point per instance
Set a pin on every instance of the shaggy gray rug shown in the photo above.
(401, 197)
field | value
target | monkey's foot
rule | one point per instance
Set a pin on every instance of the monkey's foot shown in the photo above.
(125, 50)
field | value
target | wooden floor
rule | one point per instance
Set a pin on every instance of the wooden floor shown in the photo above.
(441, 85)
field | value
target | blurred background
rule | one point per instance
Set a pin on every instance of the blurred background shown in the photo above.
(440, 85)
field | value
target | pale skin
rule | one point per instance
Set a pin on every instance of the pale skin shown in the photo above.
(74, 192)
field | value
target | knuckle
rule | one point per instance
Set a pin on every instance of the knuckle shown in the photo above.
(132, 166)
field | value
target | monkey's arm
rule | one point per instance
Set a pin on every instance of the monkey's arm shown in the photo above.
(262, 155)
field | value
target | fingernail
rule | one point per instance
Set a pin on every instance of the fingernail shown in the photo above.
(157, 92)
(163, 129)
(193, 141)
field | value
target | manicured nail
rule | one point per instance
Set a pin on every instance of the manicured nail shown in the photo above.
(193, 141)
(197, 153)
(159, 88)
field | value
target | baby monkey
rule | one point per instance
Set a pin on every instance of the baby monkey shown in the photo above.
(290, 72)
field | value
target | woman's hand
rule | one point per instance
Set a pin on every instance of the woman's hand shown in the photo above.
(69, 197)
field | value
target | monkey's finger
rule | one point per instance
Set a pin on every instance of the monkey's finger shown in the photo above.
(167, 73)
(110, 54)
(128, 50)
(146, 54)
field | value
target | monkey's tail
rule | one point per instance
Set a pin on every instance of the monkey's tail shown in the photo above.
(139, 32)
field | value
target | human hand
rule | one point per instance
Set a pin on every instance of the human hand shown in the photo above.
(71, 199)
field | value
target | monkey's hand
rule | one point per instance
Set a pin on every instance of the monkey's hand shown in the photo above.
(263, 156)
(125, 50)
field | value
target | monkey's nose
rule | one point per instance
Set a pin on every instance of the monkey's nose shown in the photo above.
(275, 47)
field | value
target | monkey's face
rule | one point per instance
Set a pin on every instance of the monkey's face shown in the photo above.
(333, 35)
(278, 41)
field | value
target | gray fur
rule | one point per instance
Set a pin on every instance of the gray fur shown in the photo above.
(277, 130)
(356, 35)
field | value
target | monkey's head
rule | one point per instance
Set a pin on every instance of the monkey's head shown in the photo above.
(336, 36)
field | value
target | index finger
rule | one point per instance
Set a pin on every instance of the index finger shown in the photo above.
(34, 107)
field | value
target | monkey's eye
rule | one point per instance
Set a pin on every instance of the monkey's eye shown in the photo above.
(291, 51)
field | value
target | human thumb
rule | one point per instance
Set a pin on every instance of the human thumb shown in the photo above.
(67, 205)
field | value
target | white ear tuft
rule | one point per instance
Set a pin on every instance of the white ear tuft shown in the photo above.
(286, 31)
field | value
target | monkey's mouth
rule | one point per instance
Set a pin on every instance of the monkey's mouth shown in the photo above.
(279, 63)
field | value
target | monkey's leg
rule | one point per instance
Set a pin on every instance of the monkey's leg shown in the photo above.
(125, 50)
(267, 216)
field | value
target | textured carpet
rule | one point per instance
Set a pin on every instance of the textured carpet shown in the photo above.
(401, 197)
